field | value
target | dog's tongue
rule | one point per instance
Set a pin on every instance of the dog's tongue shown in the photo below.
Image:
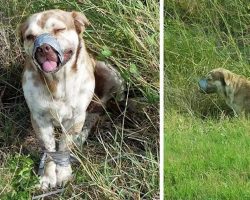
(49, 66)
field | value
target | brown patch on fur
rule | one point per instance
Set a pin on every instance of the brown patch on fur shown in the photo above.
(105, 85)
(219, 76)
(41, 22)
(27, 66)
(45, 18)
(100, 79)
(95, 107)
(22, 29)
(74, 66)
(65, 18)
(51, 84)
(39, 79)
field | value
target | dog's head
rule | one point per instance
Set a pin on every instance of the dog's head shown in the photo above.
(215, 81)
(51, 38)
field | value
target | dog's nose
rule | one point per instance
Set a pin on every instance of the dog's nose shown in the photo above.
(45, 48)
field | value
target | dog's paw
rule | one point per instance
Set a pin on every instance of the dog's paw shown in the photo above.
(64, 174)
(48, 179)
(47, 182)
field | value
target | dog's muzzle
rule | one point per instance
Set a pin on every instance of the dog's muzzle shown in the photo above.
(203, 85)
(46, 38)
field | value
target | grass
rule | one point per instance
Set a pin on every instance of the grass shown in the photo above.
(206, 148)
(207, 159)
(120, 160)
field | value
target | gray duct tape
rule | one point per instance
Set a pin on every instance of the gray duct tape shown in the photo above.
(50, 40)
(62, 158)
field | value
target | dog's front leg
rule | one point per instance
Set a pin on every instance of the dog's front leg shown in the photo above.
(44, 131)
(72, 128)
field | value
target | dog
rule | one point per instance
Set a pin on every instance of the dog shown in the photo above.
(235, 89)
(63, 87)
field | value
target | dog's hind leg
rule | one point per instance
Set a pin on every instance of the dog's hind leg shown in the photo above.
(108, 84)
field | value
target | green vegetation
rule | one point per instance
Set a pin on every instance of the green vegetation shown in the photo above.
(120, 159)
(206, 148)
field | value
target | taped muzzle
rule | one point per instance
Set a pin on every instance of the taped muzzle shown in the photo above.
(203, 85)
(50, 40)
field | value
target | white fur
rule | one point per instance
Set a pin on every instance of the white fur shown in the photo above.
(50, 177)
(67, 106)
(63, 174)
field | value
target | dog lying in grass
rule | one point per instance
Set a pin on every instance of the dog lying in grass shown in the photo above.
(235, 89)
(59, 82)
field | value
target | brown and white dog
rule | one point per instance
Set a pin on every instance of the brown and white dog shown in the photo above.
(58, 90)
(234, 88)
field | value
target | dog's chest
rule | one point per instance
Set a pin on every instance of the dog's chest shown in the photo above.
(58, 105)
(65, 101)
(60, 111)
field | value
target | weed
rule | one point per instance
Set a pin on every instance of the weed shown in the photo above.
(23, 179)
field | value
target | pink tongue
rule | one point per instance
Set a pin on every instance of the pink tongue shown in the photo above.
(49, 66)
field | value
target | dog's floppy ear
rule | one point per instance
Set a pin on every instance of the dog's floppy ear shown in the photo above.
(21, 29)
(226, 78)
(80, 21)
(221, 75)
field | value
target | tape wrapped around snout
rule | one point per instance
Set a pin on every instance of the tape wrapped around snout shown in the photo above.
(50, 40)
(203, 84)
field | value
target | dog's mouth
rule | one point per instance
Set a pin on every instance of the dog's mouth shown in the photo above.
(48, 59)
(205, 87)
(48, 55)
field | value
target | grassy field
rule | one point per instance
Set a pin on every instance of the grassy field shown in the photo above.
(120, 160)
(206, 147)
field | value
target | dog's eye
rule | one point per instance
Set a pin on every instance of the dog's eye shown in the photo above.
(30, 37)
(59, 30)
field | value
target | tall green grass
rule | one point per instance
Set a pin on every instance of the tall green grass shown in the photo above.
(120, 159)
(205, 147)
(201, 36)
